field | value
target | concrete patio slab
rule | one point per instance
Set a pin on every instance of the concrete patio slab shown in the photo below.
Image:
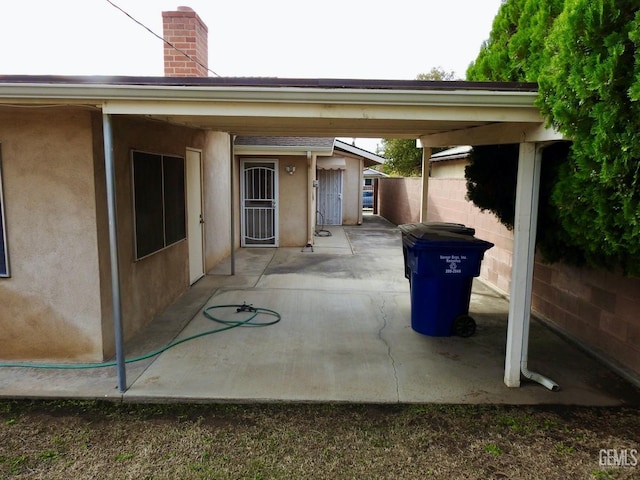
(344, 336)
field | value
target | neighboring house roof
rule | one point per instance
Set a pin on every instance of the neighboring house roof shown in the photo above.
(323, 146)
(370, 159)
(455, 153)
(284, 145)
(371, 173)
(310, 142)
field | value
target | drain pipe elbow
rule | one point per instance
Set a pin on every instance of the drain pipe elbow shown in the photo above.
(536, 377)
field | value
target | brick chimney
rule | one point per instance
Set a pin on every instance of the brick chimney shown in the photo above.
(184, 29)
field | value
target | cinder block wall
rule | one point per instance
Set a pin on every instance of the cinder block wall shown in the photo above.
(447, 203)
(402, 197)
(598, 308)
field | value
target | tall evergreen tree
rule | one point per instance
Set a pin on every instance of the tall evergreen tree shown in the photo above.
(589, 91)
(494, 62)
(515, 49)
(585, 55)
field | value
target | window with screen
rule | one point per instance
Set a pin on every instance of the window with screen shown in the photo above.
(159, 201)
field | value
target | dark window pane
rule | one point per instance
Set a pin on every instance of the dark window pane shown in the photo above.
(174, 199)
(147, 180)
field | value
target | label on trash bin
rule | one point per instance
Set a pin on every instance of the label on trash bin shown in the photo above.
(453, 263)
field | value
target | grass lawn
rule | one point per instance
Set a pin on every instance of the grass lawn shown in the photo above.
(101, 440)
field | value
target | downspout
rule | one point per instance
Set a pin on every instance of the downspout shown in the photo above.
(360, 190)
(310, 187)
(533, 376)
(109, 163)
(232, 239)
(535, 197)
(527, 197)
(426, 159)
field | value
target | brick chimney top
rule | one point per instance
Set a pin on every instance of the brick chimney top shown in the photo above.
(185, 30)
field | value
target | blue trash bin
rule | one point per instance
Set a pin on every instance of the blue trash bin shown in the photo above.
(407, 228)
(441, 265)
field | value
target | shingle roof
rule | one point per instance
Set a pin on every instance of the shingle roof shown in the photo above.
(370, 158)
(455, 153)
(275, 82)
(302, 142)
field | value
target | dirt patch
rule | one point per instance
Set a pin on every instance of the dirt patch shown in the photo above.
(56, 440)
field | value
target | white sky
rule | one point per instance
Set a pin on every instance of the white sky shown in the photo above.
(266, 38)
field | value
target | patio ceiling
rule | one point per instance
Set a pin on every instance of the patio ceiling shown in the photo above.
(332, 114)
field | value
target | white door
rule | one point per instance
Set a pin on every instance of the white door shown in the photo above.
(195, 221)
(329, 197)
(259, 193)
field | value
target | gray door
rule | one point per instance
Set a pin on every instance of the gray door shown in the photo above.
(259, 192)
(329, 197)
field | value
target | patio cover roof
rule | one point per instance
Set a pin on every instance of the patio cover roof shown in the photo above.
(297, 107)
(437, 114)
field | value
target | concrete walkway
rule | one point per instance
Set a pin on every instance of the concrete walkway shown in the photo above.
(344, 336)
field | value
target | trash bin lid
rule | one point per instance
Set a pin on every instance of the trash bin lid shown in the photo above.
(409, 228)
(420, 235)
(451, 227)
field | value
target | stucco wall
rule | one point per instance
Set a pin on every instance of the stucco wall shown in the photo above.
(292, 206)
(51, 305)
(102, 226)
(351, 188)
(400, 199)
(448, 168)
(151, 284)
(217, 198)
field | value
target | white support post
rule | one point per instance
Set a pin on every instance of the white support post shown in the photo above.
(232, 217)
(525, 222)
(426, 158)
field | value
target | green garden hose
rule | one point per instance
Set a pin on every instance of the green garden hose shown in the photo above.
(228, 325)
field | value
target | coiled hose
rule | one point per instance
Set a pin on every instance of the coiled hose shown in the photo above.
(228, 325)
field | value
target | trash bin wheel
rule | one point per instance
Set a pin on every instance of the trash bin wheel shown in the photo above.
(464, 326)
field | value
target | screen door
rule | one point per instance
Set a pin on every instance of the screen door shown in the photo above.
(329, 197)
(259, 193)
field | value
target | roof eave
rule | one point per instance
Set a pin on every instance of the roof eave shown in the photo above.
(360, 152)
(99, 93)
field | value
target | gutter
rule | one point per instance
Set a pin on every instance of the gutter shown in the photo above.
(99, 93)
